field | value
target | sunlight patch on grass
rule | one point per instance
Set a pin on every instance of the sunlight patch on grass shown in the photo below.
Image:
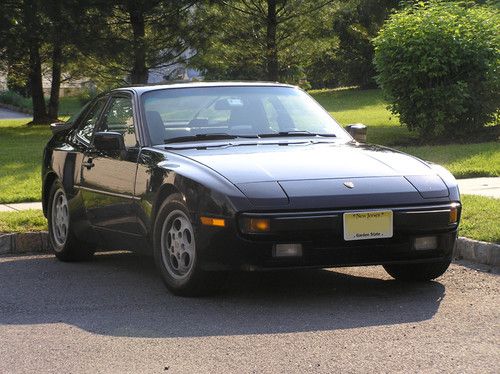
(480, 218)
(21, 150)
(23, 221)
(352, 105)
(462, 160)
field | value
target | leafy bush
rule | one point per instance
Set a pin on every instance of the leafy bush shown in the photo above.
(439, 64)
(13, 98)
(85, 96)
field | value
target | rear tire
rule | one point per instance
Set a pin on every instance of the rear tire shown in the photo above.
(64, 244)
(176, 251)
(417, 272)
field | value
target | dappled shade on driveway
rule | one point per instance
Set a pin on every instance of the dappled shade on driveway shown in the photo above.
(122, 295)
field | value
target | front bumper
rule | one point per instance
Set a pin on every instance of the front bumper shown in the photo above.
(321, 236)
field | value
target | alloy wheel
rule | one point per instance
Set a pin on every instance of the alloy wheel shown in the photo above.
(60, 218)
(178, 248)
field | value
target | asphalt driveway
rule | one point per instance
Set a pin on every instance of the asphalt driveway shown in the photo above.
(10, 114)
(114, 315)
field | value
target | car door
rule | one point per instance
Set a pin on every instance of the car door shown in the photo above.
(108, 177)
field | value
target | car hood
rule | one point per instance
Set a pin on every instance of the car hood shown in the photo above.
(322, 175)
(305, 161)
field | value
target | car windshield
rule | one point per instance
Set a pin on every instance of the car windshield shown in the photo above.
(210, 113)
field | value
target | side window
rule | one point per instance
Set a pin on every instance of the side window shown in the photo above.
(86, 128)
(119, 118)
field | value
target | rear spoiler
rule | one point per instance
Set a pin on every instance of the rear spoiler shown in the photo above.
(59, 127)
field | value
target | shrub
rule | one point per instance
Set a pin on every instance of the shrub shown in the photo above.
(85, 95)
(438, 63)
(13, 98)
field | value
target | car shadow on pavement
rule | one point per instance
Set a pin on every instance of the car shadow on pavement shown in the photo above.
(122, 295)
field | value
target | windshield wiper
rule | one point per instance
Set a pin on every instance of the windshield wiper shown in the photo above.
(214, 136)
(295, 133)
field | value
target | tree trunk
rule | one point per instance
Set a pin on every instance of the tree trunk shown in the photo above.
(35, 63)
(139, 73)
(57, 48)
(39, 109)
(56, 81)
(272, 48)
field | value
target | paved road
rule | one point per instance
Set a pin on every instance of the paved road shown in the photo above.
(113, 315)
(10, 114)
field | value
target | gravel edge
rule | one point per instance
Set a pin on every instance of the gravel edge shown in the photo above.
(37, 242)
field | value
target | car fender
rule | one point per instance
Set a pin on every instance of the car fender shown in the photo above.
(203, 190)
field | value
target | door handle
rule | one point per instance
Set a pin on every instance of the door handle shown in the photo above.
(89, 164)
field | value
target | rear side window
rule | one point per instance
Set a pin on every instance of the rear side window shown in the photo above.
(86, 128)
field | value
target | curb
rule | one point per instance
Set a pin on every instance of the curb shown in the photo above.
(30, 242)
(477, 251)
(38, 242)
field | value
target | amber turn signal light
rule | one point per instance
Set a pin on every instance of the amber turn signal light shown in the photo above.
(454, 213)
(209, 221)
(256, 225)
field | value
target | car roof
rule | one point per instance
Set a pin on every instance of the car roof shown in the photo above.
(153, 87)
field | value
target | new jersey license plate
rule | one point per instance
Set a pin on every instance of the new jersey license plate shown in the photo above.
(368, 225)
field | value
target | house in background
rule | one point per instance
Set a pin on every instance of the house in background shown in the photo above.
(69, 87)
(74, 86)
(176, 72)
(3, 81)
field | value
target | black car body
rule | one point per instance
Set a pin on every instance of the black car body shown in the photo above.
(245, 196)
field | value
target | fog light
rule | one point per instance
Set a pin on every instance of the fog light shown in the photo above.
(256, 225)
(287, 250)
(425, 243)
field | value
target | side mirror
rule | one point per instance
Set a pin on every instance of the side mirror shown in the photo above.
(109, 141)
(358, 132)
(58, 127)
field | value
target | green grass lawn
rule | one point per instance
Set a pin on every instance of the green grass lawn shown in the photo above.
(21, 150)
(462, 160)
(480, 217)
(352, 105)
(24, 221)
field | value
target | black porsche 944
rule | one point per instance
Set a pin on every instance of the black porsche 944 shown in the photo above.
(214, 177)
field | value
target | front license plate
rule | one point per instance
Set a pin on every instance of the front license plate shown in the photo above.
(368, 225)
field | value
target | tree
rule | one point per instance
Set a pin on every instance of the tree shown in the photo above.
(37, 34)
(356, 24)
(258, 39)
(21, 35)
(137, 36)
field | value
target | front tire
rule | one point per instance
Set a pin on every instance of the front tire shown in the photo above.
(66, 247)
(176, 251)
(417, 272)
